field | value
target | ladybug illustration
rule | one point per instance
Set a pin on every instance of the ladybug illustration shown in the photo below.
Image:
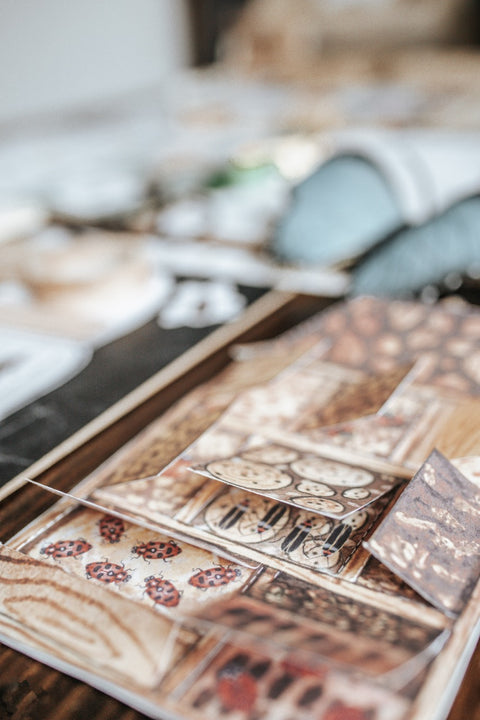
(213, 577)
(66, 548)
(107, 572)
(111, 528)
(161, 591)
(236, 687)
(157, 550)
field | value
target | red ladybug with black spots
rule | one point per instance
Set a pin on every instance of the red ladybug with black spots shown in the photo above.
(111, 528)
(214, 577)
(66, 548)
(162, 591)
(237, 688)
(157, 550)
(107, 572)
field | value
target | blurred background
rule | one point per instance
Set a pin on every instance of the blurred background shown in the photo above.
(166, 162)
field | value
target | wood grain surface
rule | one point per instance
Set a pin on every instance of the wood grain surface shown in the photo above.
(460, 436)
(82, 623)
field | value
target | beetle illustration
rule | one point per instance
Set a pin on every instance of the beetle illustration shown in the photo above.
(162, 591)
(271, 517)
(297, 535)
(339, 535)
(107, 572)
(214, 577)
(111, 528)
(336, 540)
(66, 548)
(234, 514)
(157, 550)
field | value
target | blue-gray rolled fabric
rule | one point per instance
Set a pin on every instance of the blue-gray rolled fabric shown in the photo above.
(338, 213)
(417, 257)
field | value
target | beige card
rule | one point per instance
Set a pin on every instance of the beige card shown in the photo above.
(245, 682)
(303, 479)
(145, 566)
(315, 625)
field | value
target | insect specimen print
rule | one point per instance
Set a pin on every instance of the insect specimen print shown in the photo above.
(111, 528)
(66, 548)
(214, 577)
(278, 530)
(236, 687)
(162, 591)
(297, 535)
(157, 550)
(336, 539)
(271, 517)
(107, 572)
(233, 515)
(249, 519)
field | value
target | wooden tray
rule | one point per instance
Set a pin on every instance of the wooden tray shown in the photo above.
(30, 689)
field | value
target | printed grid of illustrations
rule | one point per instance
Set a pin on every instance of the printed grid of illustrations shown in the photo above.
(254, 527)
(297, 481)
(139, 563)
(375, 336)
(247, 683)
(315, 624)
(305, 480)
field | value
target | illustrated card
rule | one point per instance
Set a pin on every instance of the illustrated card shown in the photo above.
(282, 401)
(150, 568)
(353, 400)
(312, 394)
(281, 531)
(85, 625)
(166, 493)
(250, 683)
(258, 528)
(375, 336)
(316, 624)
(303, 479)
(344, 609)
(176, 489)
(402, 434)
(378, 577)
(430, 538)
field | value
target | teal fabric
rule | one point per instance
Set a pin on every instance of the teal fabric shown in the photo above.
(425, 255)
(336, 214)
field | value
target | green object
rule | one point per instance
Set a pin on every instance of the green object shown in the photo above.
(233, 174)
